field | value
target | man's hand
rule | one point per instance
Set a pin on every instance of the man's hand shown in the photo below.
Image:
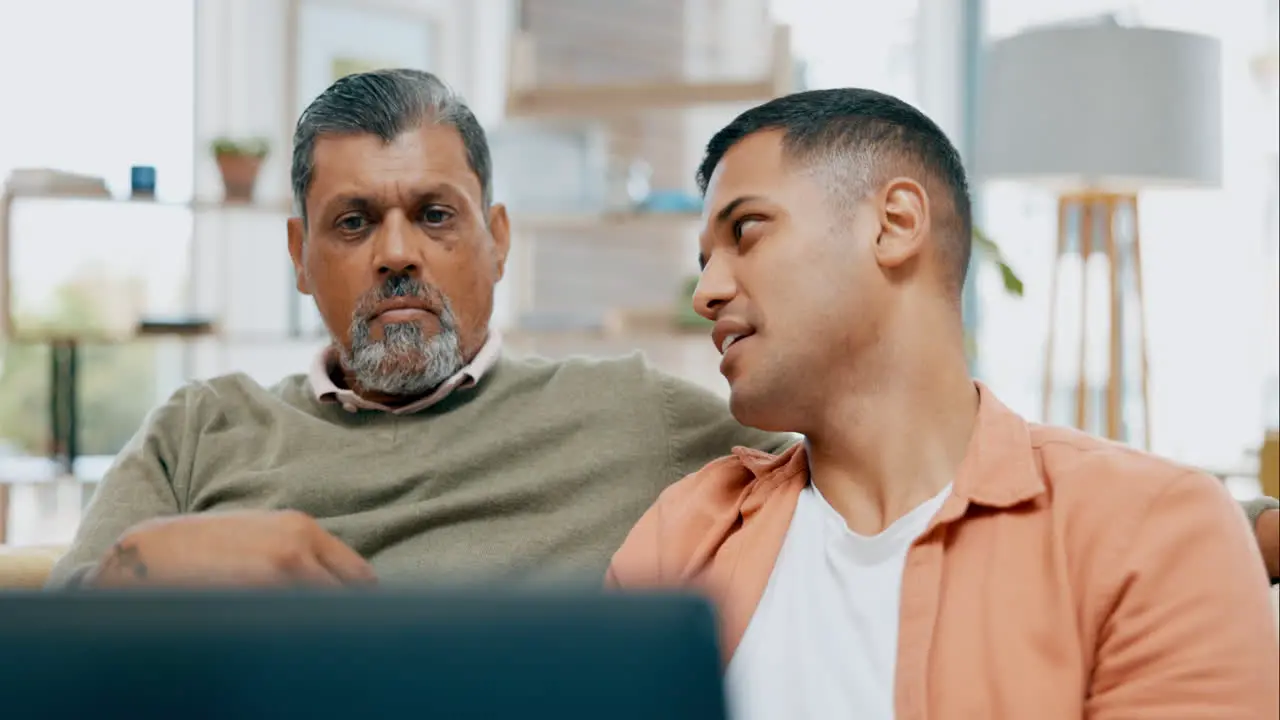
(244, 549)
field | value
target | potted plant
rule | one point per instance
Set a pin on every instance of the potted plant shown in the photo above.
(239, 161)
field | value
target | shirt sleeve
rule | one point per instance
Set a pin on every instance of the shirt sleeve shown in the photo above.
(637, 564)
(1253, 509)
(1190, 632)
(701, 429)
(139, 486)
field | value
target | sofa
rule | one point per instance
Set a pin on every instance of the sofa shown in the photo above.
(26, 568)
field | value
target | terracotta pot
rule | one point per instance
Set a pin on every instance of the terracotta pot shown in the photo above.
(239, 173)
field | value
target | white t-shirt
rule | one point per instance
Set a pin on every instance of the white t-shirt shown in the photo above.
(823, 642)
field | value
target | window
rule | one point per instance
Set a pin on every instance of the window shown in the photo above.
(1266, 64)
(1205, 282)
(883, 58)
(106, 100)
(1271, 413)
(104, 92)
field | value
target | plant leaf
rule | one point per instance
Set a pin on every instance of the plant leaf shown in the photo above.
(984, 243)
(1012, 283)
(988, 247)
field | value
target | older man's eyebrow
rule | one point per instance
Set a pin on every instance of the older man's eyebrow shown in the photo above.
(435, 192)
(343, 202)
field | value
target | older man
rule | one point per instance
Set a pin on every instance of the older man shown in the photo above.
(414, 450)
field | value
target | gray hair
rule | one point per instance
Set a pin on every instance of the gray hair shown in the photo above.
(386, 103)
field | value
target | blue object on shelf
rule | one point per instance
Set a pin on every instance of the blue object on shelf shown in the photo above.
(142, 181)
(671, 201)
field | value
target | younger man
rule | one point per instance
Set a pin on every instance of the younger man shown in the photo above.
(926, 552)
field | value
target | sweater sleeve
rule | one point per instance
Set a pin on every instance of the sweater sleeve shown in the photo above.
(1253, 509)
(1265, 533)
(700, 428)
(139, 486)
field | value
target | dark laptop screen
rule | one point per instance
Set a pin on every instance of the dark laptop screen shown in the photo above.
(366, 655)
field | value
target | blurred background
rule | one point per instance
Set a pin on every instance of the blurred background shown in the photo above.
(144, 147)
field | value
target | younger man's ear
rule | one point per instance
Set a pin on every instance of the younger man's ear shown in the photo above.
(904, 222)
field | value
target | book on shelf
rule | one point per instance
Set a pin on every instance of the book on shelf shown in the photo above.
(47, 181)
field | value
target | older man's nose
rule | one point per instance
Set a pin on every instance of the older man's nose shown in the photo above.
(398, 248)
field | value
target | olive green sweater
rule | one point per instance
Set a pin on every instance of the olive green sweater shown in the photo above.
(538, 472)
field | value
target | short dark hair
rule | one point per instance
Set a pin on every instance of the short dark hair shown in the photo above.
(867, 134)
(386, 103)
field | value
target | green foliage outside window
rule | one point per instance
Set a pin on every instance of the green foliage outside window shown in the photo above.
(116, 386)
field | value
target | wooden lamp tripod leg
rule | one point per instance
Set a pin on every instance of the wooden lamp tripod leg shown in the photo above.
(1046, 400)
(1086, 251)
(1143, 372)
(1115, 367)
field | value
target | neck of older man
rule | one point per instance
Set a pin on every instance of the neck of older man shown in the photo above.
(896, 425)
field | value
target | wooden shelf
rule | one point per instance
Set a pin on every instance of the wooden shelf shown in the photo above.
(595, 221)
(658, 323)
(198, 205)
(566, 100)
(523, 336)
(205, 327)
(526, 98)
(147, 329)
(106, 337)
(175, 327)
(581, 96)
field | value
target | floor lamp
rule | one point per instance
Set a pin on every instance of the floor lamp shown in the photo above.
(1098, 112)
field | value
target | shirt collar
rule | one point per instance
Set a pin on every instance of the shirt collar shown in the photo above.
(999, 469)
(326, 366)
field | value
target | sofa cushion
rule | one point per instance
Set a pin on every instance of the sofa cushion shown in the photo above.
(26, 568)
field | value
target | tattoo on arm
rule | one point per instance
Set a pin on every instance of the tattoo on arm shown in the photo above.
(126, 560)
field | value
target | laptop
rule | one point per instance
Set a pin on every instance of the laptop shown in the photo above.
(359, 655)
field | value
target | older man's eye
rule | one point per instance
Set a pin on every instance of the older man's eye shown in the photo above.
(436, 216)
(351, 223)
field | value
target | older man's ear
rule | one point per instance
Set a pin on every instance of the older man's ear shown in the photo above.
(500, 232)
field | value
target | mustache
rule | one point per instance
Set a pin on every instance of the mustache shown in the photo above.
(401, 286)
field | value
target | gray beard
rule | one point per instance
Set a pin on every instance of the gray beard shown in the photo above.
(404, 362)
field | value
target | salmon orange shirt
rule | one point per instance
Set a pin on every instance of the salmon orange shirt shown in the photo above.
(1064, 576)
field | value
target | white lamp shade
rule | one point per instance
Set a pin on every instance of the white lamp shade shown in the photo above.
(1102, 107)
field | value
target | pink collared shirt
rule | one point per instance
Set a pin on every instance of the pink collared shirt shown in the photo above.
(326, 366)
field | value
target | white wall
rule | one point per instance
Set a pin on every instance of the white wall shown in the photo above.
(940, 65)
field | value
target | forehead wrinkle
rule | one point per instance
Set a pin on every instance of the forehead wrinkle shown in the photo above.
(432, 153)
(402, 191)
